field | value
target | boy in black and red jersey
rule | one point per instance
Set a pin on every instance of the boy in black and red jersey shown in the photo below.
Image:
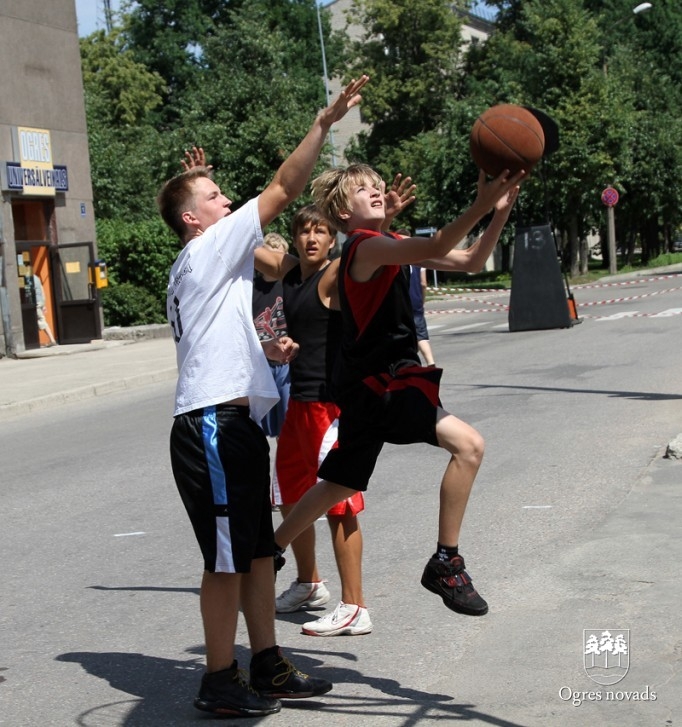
(384, 393)
(310, 427)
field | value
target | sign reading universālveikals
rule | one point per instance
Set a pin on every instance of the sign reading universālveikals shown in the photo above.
(34, 173)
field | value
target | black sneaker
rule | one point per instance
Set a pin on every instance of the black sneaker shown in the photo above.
(228, 692)
(273, 675)
(449, 580)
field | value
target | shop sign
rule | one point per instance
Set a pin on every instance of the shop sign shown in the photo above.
(35, 173)
(16, 178)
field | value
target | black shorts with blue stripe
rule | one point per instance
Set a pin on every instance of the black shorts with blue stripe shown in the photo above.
(221, 464)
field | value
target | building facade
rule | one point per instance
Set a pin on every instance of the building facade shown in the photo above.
(49, 274)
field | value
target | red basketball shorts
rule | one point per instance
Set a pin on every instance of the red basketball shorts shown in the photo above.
(309, 432)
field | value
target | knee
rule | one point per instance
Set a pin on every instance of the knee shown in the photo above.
(472, 448)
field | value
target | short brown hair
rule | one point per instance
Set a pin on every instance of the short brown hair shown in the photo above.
(177, 196)
(310, 214)
(331, 190)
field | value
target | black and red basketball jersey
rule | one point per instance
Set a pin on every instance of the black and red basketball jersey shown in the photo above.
(378, 324)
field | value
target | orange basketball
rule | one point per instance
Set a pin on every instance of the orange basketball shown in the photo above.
(506, 137)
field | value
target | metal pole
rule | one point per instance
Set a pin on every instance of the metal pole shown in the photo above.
(611, 234)
(326, 78)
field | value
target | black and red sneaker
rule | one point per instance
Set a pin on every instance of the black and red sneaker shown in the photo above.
(449, 580)
(228, 693)
(274, 676)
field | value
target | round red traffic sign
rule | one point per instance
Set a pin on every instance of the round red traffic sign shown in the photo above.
(610, 197)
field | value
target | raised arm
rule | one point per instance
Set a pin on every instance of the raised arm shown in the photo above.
(377, 251)
(473, 258)
(291, 178)
(272, 263)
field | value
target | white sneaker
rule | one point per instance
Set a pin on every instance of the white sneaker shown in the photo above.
(302, 597)
(346, 618)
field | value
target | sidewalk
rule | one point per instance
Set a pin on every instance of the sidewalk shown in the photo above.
(49, 377)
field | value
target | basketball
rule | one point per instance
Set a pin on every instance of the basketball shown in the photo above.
(506, 137)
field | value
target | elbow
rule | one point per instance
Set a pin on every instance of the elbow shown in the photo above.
(473, 266)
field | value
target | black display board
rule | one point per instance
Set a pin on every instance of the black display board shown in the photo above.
(538, 296)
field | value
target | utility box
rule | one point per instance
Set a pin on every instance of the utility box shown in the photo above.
(98, 274)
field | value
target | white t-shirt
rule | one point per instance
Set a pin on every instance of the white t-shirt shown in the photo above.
(209, 309)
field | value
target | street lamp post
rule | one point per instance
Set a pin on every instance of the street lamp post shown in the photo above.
(326, 77)
(610, 217)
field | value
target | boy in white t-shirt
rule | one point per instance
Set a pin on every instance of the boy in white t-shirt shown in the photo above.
(219, 454)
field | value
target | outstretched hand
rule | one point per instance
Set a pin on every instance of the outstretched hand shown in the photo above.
(194, 158)
(349, 97)
(399, 196)
(492, 192)
(505, 203)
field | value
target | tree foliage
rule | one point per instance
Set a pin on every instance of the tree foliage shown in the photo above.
(243, 78)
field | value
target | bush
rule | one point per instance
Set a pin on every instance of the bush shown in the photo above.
(125, 304)
(140, 253)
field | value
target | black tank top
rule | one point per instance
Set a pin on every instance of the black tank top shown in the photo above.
(317, 330)
(378, 323)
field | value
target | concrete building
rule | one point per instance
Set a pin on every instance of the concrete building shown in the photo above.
(47, 226)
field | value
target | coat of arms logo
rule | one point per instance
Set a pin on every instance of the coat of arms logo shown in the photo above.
(606, 655)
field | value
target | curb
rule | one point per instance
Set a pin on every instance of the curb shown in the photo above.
(85, 392)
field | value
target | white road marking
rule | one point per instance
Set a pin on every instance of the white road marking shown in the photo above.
(667, 313)
(125, 535)
(618, 316)
(463, 328)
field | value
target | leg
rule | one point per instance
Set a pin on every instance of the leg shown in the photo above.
(426, 352)
(309, 508)
(258, 604)
(219, 602)
(466, 446)
(303, 547)
(350, 616)
(307, 591)
(272, 674)
(347, 543)
(444, 574)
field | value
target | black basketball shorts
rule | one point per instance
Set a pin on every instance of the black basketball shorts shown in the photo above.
(221, 464)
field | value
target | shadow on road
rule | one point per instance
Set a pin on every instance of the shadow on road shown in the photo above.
(637, 395)
(164, 690)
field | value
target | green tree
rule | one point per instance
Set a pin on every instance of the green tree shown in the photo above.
(411, 51)
(616, 96)
(125, 148)
(249, 120)
(550, 57)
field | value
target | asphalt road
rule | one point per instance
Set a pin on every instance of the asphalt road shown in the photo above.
(573, 525)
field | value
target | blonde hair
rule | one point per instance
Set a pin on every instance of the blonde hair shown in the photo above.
(275, 241)
(332, 190)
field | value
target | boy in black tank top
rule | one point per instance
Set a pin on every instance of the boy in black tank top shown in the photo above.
(384, 393)
(309, 432)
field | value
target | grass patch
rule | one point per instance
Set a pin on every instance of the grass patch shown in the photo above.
(459, 283)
